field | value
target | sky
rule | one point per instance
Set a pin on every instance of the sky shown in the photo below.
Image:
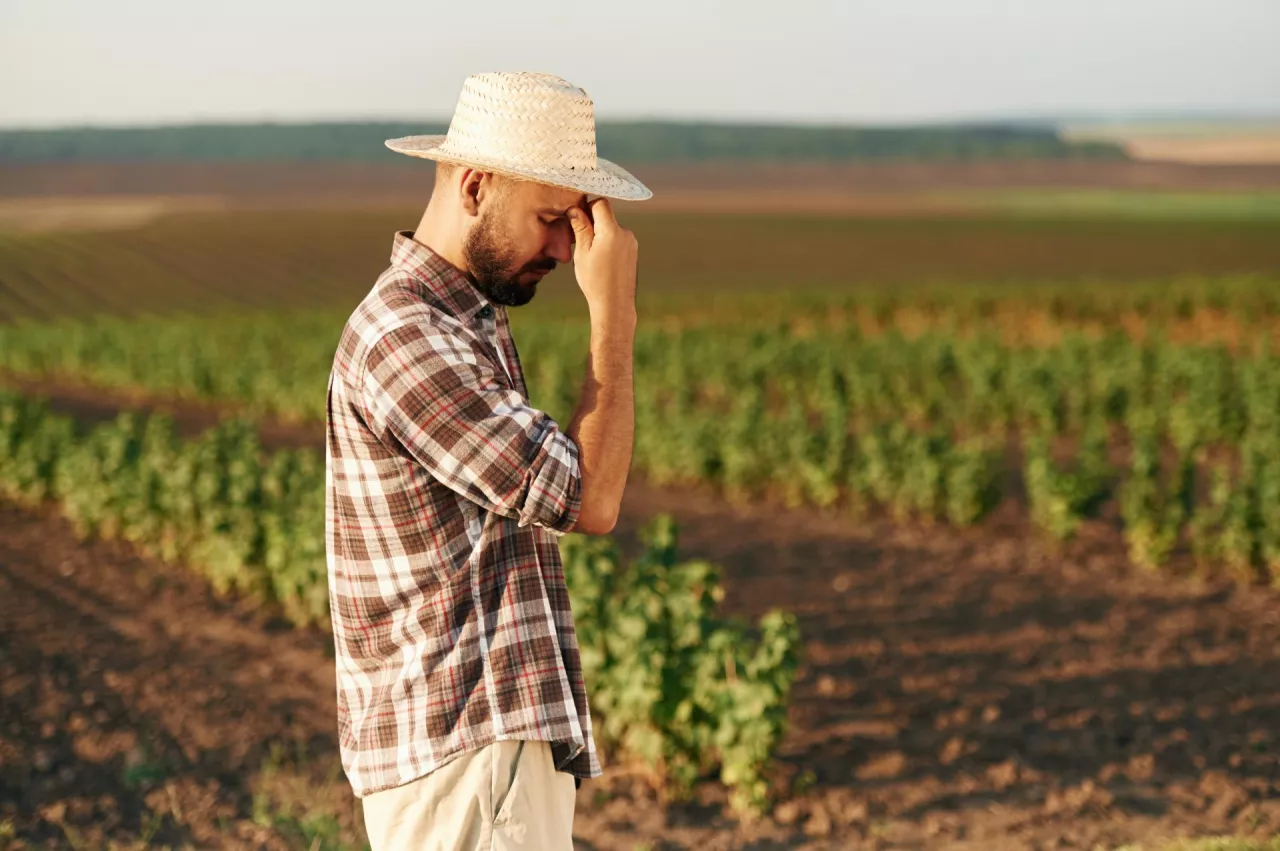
(147, 62)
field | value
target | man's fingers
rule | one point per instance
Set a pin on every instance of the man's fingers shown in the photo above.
(602, 213)
(583, 232)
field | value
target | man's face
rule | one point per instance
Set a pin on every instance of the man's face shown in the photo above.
(521, 233)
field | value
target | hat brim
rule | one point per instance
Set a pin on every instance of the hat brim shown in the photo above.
(607, 179)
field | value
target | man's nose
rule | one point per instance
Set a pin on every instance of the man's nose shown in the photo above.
(560, 244)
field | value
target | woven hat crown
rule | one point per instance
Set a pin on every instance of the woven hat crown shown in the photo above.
(521, 117)
(529, 125)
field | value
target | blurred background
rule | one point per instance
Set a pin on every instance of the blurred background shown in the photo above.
(956, 357)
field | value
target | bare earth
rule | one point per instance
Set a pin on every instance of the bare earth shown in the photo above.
(961, 690)
(49, 196)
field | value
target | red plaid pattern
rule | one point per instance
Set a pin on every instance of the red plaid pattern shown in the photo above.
(445, 495)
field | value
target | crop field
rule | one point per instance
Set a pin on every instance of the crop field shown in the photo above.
(979, 523)
(1240, 141)
(857, 403)
(198, 262)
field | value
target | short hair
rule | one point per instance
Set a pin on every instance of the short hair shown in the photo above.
(502, 183)
(444, 170)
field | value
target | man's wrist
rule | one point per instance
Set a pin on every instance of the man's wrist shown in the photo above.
(613, 318)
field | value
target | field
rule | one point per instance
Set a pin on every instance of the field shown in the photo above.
(1006, 451)
(200, 261)
(1242, 141)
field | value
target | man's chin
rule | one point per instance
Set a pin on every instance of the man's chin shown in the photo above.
(530, 285)
(522, 294)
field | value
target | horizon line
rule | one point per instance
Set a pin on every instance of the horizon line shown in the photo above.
(1098, 117)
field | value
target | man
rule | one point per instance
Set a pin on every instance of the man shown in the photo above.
(462, 713)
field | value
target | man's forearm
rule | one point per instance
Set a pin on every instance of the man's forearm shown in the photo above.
(603, 426)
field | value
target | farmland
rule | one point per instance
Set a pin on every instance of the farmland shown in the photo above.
(258, 258)
(831, 404)
(1012, 471)
(1252, 141)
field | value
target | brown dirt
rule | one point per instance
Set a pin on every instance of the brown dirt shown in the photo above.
(877, 187)
(201, 263)
(128, 690)
(94, 212)
(962, 690)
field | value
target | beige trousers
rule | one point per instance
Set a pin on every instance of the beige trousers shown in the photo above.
(502, 797)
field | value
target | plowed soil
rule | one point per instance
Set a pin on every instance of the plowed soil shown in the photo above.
(275, 184)
(962, 690)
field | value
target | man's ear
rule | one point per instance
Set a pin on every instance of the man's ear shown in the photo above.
(475, 188)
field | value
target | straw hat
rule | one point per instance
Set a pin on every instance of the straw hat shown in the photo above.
(527, 125)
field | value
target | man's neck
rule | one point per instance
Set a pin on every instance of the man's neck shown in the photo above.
(435, 233)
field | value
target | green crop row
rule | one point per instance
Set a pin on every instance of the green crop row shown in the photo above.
(810, 414)
(252, 523)
(1222, 508)
(278, 364)
(677, 685)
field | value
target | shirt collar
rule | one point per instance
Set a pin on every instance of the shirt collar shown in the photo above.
(439, 277)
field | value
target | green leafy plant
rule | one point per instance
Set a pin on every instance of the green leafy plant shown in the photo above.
(1061, 498)
(676, 686)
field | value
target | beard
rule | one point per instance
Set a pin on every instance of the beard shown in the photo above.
(493, 266)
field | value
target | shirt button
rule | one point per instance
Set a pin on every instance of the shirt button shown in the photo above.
(485, 312)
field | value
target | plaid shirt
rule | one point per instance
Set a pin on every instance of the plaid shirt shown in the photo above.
(446, 494)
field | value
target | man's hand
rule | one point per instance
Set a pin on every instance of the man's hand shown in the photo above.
(604, 259)
(603, 425)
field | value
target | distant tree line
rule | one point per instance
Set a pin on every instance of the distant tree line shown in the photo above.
(632, 141)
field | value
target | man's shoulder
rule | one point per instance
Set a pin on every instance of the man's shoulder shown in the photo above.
(392, 303)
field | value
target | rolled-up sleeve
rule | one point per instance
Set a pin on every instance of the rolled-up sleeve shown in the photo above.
(434, 394)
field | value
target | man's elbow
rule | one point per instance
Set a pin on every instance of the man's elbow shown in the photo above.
(596, 520)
